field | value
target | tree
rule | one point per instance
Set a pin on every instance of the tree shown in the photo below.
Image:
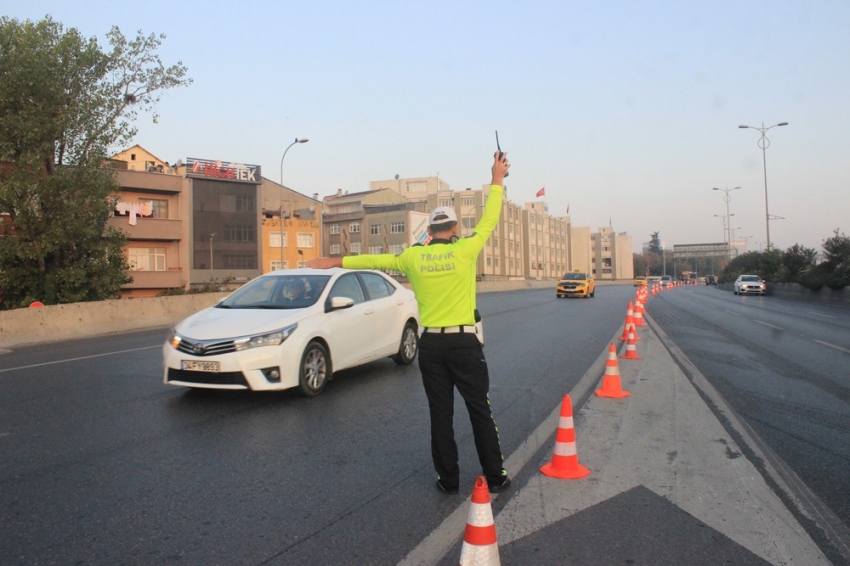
(64, 104)
(836, 251)
(655, 243)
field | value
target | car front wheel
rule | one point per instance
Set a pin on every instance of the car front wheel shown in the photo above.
(315, 370)
(408, 347)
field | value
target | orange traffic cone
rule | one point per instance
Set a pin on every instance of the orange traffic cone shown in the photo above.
(611, 386)
(564, 464)
(638, 316)
(628, 323)
(479, 539)
(631, 351)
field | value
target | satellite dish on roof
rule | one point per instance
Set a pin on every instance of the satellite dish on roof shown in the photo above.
(312, 208)
(179, 163)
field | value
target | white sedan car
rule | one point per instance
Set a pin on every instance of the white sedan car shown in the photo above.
(294, 328)
(750, 285)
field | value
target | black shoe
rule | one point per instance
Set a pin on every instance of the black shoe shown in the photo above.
(499, 487)
(451, 490)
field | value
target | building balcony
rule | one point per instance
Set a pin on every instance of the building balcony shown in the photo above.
(149, 228)
(170, 279)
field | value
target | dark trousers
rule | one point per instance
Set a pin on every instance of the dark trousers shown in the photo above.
(457, 360)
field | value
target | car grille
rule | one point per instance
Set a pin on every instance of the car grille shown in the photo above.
(208, 378)
(206, 347)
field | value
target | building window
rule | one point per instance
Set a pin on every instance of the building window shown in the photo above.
(355, 248)
(335, 249)
(239, 233)
(397, 228)
(305, 240)
(468, 222)
(445, 201)
(159, 208)
(244, 203)
(146, 259)
(354, 227)
(375, 229)
(274, 265)
(302, 263)
(489, 261)
(334, 228)
(467, 201)
(274, 239)
(376, 249)
(239, 261)
(396, 248)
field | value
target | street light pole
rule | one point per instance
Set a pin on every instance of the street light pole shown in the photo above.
(211, 253)
(764, 143)
(281, 195)
(727, 199)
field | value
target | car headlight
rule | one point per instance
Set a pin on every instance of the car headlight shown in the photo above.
(173, 338)
(269, 339)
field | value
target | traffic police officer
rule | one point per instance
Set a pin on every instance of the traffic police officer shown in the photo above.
(442, 275)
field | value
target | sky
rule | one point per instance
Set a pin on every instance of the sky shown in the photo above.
(627, 112)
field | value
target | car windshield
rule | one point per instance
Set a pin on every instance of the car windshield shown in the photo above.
(750, 278)
(278, 292)
(666, 278)
(574, 277)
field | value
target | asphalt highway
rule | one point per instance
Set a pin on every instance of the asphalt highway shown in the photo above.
(101, 463)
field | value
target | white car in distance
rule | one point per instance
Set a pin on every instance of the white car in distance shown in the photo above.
(294, 328)
(750, 285)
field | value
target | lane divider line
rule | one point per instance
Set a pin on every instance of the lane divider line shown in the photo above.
(81, 358)
(735, 313)
(827, 344)
(770, 325)
(823, 315)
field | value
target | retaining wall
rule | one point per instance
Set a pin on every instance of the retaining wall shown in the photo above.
(80, 320)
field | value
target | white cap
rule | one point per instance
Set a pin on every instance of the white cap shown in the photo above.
(441, 215)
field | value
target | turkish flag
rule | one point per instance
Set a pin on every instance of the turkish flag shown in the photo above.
(541, 192)
(568, 209)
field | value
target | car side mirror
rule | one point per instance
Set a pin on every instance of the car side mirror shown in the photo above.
(338, 303)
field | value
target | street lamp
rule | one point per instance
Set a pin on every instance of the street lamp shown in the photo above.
(764, 143)
(727, 199)
(211, 252)
(725, 220)
(281, 195)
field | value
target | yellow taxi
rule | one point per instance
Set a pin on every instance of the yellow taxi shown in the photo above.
(575, 284)
(640, 281)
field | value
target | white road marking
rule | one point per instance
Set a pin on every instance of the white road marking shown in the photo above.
(783, 308)
(5, 434)
(823, 315)
(770, 325)
(81, 358)
(735, 313)
(839, 348)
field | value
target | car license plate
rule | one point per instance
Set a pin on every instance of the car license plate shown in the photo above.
(191, 365)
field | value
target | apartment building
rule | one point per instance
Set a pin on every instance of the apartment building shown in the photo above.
(547, 242)
(371, 222)
(415, 189)
(299, 238)
(611, 254)
(187, 223)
